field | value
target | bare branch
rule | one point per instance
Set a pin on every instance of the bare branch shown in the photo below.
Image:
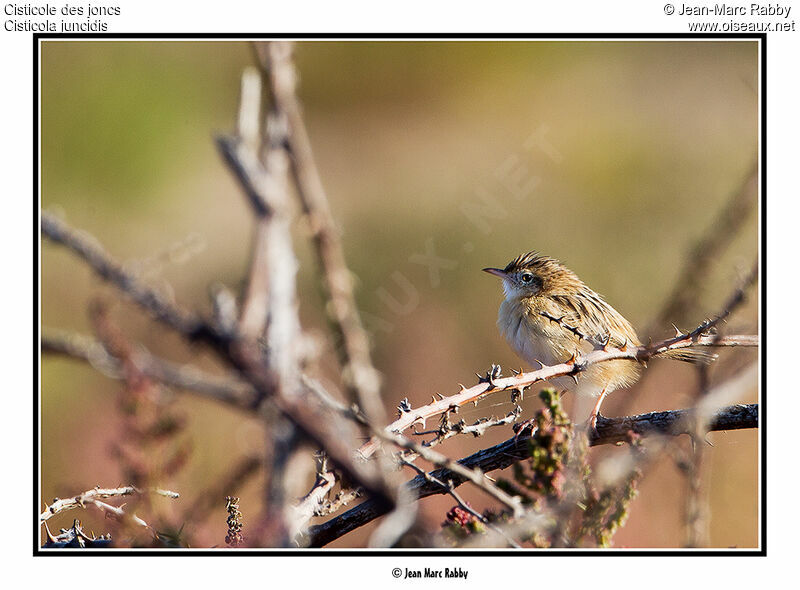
(112, 271)
(713, 241)
(315, 425)
(245, 355)
(232, 391)
(93, 497)
(610, 430)
(229, 390)
(571, 367)
(706, 333)
(473, 475)
(737, 297)
(262, 345)
(449, 488)
(360, 376)
(75, 536)
(310, 504)
(264, 181)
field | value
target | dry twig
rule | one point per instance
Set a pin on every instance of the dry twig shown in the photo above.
(360, 376)
(244, 355)
(696, 337)
(261, 160)
(610, 430)
(93, 497)
(708, 248)
(229, 390)
(90, 250)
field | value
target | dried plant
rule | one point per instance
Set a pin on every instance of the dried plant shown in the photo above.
(554, 499)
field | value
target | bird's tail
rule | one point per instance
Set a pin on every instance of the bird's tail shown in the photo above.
(690, 355)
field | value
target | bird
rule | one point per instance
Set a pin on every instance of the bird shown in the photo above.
(549, 316)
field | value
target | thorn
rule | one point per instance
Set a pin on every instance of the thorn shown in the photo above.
(433, 400)
(50, 537)
(624, 346)
(678, 333)
(82, 535)
(461, 385)
(440, 395)
(515, 372)
(574, 378)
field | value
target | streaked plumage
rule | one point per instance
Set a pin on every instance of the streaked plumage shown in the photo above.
(536, 287)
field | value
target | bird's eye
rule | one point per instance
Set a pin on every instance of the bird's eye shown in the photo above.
(526, 277)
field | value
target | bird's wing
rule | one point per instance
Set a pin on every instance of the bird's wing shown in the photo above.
(595, 319)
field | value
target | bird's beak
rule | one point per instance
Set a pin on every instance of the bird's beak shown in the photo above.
(498, 272)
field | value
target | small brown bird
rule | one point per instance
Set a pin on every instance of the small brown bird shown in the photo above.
(549, 315)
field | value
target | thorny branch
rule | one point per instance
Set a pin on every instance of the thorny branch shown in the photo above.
(515, 383)
(450, 489)
(609, 431)
(244, 355)
(93, 497)
(272, 373)
(702, 335)
(89, 496)
(572, 367)
(233, 390)
(473, 475)
(732, 303)
(74, 537)
(270, 306)
(360, 375)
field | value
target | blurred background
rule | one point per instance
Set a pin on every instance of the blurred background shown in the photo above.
(439, 159)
